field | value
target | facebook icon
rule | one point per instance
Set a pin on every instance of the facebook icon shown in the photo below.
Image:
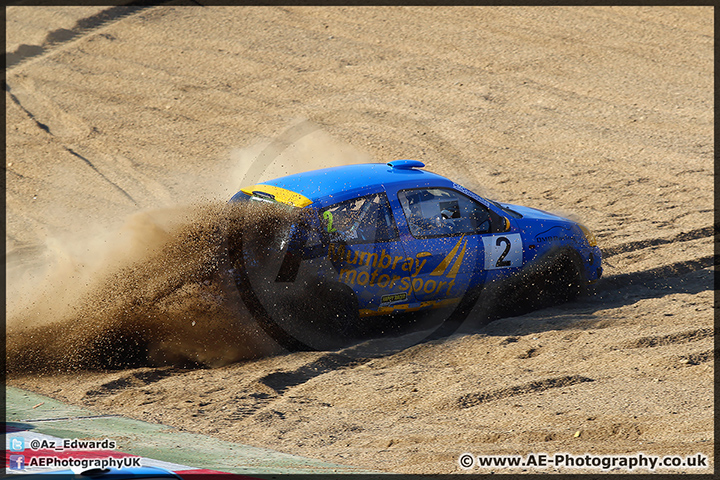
(17, 462)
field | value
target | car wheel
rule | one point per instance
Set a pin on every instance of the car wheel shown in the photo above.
(558, 281)
(340, 309)
(555, 279)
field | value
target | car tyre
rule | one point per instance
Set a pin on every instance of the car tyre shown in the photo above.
(555, 279)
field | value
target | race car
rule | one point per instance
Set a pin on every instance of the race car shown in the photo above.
(396, 238)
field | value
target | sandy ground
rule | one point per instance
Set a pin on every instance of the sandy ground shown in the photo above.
(601, 113)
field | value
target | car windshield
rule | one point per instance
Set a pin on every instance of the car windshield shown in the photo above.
(505, 209)
(433, 212)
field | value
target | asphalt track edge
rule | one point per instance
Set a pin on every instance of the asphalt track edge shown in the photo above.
(30, 415)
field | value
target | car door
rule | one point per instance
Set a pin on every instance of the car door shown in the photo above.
(452, 242)
(365, 251)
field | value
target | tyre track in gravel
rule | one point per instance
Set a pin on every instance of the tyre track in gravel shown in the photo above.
(655, 277)
(705, 232)
(60, 37)
(63, 127)
(670, 339)
(59, 124)
(470, 400)
(72, 152)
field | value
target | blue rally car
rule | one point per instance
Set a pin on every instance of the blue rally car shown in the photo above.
(398, 238)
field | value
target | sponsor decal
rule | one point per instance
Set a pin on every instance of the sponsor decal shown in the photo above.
(391, 271)
(393, 297)
(554, 234)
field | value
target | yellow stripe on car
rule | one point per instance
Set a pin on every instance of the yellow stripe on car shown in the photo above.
(592, 240)
(440, 269)
(368, 312)
(458, 262)
(281, 195)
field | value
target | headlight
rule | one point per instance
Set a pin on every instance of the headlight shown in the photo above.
(592, 241)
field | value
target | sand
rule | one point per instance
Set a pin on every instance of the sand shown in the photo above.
(122, 126)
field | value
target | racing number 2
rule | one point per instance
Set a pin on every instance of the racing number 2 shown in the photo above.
(502, 251)
(501, 262)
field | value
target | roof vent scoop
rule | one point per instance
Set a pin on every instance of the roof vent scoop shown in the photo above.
(405, 164)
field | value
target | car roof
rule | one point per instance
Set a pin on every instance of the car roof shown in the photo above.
(334, 184)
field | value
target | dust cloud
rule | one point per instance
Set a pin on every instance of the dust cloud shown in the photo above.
(157, 291)
(159, 295)
(303, 146)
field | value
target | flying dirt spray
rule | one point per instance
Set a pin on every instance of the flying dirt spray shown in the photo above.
(157, 291)
(164, 290)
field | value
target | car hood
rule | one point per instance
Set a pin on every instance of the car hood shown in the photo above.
(534, 213)
(544, 228)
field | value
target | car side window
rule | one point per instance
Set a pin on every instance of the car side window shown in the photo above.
(437, 212)
(365, 219)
